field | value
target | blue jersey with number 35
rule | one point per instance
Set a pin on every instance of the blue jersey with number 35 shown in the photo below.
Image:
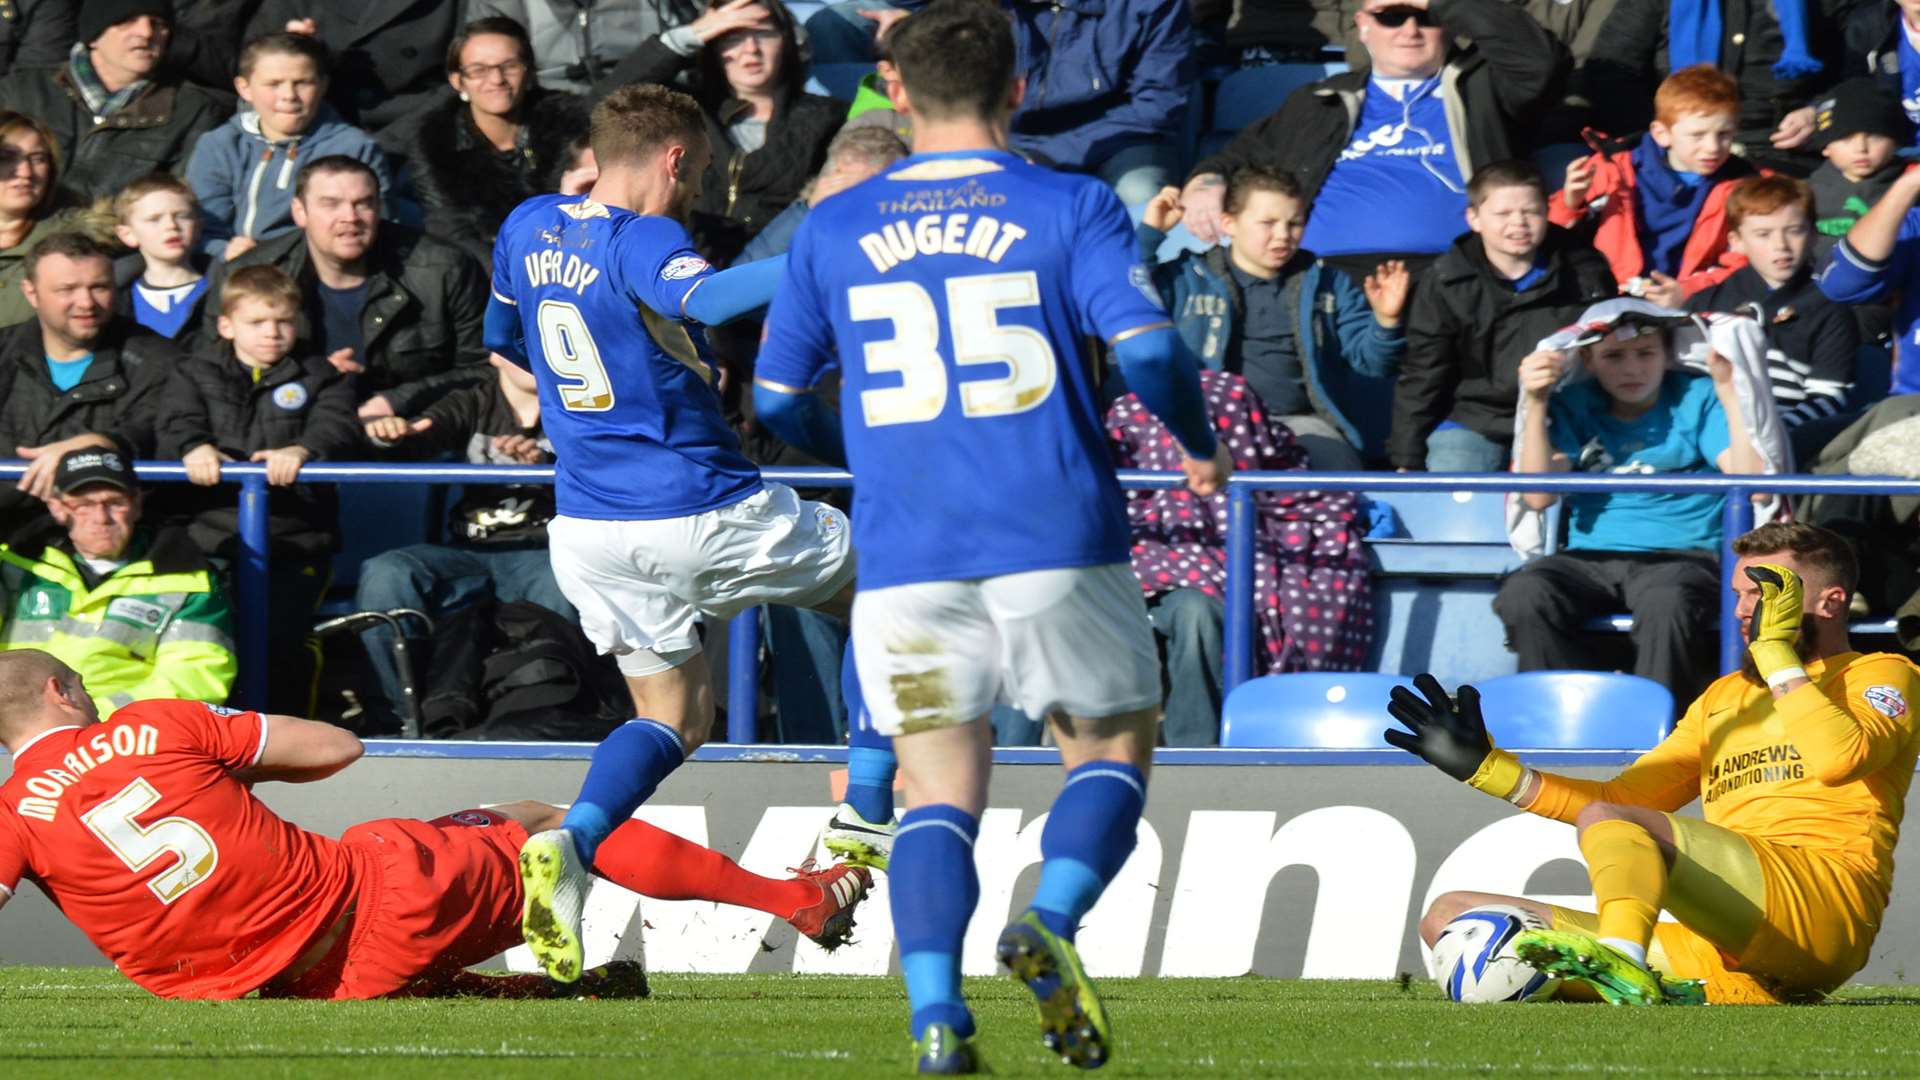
(956, 293)
(626, 391)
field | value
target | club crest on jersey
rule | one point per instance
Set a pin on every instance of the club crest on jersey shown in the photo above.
(290, 397)
(683, 267)
(1886, 700)
(828, 519)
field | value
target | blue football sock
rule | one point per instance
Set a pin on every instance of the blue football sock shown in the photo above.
(626, 767)
(870, 762)
(934, 887)
(1089, 834)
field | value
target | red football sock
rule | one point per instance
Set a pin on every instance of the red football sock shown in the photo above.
(654, 862)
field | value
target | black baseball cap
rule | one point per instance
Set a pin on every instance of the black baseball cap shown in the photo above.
(1857, 105)
(93, 465)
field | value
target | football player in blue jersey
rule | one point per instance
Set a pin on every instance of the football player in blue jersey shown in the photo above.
(662, 521)
(956, 293)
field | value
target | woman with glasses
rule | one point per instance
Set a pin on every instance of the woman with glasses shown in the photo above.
(29, 162)
(769, 136)
(500, 140)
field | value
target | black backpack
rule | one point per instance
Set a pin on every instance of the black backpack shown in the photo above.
(544, 680)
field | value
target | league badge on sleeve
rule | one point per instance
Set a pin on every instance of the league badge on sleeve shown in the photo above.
(1142, 279)
(683, 267)
(1888, 701)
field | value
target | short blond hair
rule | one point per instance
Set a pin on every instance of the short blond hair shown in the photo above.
(267, 283)
(150, 184)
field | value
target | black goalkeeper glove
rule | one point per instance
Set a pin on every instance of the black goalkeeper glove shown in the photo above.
(1451, 735)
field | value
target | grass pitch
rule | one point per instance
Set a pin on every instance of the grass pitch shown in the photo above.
(90, 1022)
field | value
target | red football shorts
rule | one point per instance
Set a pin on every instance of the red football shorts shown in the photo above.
(431, 898)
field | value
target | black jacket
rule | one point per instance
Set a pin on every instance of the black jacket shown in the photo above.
(128, 269)
(36, 33)
(421, 326)
(467, 188)
(1495, 91)
(154, 133)
(1812, 342)
(212, 399)
(1468, 331)
(389, 56)
(465, 423)
(1871, 44)
(1629, 59)
(118, 397)
(742, 192)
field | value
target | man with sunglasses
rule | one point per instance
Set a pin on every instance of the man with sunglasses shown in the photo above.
(138, 612)
(1385, 153)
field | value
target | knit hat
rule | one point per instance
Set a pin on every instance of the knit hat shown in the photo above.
(1857, 105)
(96, 16)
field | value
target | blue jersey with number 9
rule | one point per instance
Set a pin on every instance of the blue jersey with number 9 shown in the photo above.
(957, 292)
(626, 383)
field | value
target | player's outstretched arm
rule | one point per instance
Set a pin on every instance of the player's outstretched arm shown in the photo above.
(501, 331)
(1451, 735)
(301, 751)
(1162, 371)
(801, 419)
(735, 293)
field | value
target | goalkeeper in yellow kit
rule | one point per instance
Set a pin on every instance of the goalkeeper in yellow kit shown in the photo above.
(1801, 761)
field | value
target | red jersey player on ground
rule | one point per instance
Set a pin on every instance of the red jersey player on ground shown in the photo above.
(145, 831)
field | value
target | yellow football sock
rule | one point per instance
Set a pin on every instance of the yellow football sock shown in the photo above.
(1629, 879)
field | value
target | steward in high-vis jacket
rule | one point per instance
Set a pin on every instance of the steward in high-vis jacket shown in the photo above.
(138, 613)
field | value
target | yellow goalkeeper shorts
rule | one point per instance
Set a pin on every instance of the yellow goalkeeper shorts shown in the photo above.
(1798, 920)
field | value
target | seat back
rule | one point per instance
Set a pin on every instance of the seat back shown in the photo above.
(1313, 710)
(1251, 93)
(1575, 710)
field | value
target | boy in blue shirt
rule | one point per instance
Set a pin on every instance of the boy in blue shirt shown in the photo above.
(1656, 555)
(158, 217)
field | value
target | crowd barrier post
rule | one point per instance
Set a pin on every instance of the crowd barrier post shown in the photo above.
(250, 611)
(743, 677)
(1736, 518)
(1237, 636)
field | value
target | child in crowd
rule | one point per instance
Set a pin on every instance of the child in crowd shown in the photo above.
(1317, 350)
(244, 169)
(1812, 342)
(1859, 128)
(1486, 303)
(250, 399)
(159, 219)
(1654, 555)
(1657, 211)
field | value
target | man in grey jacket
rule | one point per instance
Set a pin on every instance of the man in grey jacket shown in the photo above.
(577, 42)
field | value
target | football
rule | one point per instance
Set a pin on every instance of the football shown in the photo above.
(1474, 960)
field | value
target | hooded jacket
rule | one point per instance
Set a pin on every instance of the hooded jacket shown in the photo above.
(158, 627)
(1347, 358)
(1610, 217)
(1494, 91)
(1468, 330)
(244, 181)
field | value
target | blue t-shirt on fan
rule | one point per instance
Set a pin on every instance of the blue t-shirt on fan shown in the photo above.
(956, 292)
(626, 383)
(1396, 187)
(1684, 432)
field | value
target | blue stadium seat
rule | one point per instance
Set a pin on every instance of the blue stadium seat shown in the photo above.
(1450, 534)
(1251, 93)
(1316, 710)
(1575, 710)
(380, 517)
(1446, 627)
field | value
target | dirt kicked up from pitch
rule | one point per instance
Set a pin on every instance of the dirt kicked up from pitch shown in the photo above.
(90, 1022)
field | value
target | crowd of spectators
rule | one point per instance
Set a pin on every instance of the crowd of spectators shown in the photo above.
(260, 230)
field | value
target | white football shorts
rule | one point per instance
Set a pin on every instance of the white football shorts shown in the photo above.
(642, 587)
(941, 653)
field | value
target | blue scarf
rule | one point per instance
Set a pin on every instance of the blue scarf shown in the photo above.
(1668, 203)
(1693, 36)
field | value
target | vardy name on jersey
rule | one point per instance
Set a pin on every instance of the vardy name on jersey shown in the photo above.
(956, 293)
(626, 384)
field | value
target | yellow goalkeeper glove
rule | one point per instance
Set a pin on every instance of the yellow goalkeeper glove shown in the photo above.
(1774, 627)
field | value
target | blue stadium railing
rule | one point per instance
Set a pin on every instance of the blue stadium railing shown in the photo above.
(250, 575)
